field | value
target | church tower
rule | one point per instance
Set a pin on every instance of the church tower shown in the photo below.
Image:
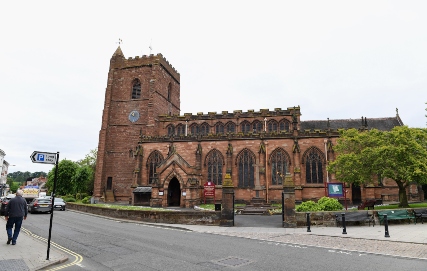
(138, 91)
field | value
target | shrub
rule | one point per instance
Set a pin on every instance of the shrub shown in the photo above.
(86, 200)
(307, 206)
(69, 199)
(323, 204)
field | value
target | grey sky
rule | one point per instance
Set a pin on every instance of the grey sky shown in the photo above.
(336, 59)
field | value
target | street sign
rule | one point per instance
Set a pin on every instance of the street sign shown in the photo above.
(43, 157)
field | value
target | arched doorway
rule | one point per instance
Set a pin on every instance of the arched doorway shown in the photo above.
(356, 194)
(174, 193)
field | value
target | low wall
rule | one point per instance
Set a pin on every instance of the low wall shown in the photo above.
(169, 217)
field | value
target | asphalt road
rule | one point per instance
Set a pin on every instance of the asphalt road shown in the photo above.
(97, 243)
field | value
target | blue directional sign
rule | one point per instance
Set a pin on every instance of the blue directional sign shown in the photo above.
(43, 157)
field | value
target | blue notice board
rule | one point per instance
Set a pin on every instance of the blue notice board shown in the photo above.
(335, 190)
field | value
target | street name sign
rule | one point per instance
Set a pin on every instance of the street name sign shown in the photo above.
(43, 157)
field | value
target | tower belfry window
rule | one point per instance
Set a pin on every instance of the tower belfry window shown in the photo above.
(136, 90)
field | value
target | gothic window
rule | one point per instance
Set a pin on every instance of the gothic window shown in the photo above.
(230, 127)
(257, 126)
(204, 129)
(279, 166)
(153, 162)
(169, 92)
(180, 130)
(245, 127)
(171, 130)
(194, 128)
(245, 163)
(313, 166)
(284, 125)
(272, 126)
(136, 89)
(214, 162)
(219, 128)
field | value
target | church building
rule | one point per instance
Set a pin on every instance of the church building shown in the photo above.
(151, 154)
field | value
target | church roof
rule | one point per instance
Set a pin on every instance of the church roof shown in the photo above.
(118, 52)
(383, 124)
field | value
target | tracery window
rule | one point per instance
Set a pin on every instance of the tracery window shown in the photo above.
(219, 128)
(284, 125)
(180, 130)
(153, 162)
(136, 89)
(195, 129)
(171, 130)
(214, 162)
(245, 127)
(257, 126)
(204, 129)
(272, 126)
(313, 167)
(230, 127)
(279, 166)
(245, 163)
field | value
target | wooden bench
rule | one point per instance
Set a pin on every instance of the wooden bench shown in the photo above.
(370, 203)
(397, 214)
(355, 217)
(420, 214)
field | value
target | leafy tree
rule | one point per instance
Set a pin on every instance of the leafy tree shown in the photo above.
(90, 162)
(66, 170)
(399, 154)
(83, 180)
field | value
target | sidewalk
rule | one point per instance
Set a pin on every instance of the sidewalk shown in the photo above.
(29, 253)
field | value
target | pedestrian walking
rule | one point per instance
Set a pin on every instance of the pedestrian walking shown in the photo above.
(16, 211)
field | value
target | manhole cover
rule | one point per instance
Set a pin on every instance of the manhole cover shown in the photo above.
(233, 261)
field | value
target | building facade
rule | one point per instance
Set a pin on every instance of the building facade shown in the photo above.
(150, 154)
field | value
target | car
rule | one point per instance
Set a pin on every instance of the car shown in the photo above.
(40, 205)
(59, 204)
(4, 202)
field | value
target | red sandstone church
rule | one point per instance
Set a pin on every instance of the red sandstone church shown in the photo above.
(150, 154)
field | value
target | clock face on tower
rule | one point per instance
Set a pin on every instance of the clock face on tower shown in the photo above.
(133, 116)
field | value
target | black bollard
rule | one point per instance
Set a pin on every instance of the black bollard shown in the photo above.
(308, 222)
(344, 230)
(386, 226)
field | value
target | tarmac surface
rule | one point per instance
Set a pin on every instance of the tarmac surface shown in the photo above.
(405, 240)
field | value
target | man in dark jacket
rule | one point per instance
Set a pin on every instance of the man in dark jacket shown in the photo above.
(15, 211)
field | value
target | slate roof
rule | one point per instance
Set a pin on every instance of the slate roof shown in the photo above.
(383, 124)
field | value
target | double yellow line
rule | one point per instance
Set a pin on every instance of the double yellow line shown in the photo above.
(78, 258)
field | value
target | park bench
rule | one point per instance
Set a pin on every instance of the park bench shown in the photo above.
(370, 203)
(398, 214)
(355, 217)
(420, 214)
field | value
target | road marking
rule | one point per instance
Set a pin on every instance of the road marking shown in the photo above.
(78, 258)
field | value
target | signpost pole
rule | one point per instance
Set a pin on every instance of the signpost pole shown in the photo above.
(52, 206)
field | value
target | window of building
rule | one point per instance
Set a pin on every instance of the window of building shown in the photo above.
(194, 129)
(284, 125)
(171, 130)
(313, 167)
(180, 130)
(204, 129)
(272, 126)
(219, 128)
(257, 126)
(169, 92)
(153, 162)
(245, 127)
(279, 165)
(215, 162)
(230, 127)
(136, 89)
(245, 163)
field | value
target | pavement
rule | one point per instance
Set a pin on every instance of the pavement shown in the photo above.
(405, 240)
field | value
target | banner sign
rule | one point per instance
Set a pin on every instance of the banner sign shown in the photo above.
(209, 190)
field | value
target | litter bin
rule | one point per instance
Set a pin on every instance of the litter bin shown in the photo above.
(217, 206)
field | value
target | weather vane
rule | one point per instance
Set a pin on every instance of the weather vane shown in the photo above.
(120, 41)
(151, 48)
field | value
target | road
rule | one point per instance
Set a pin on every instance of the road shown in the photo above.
(108, 244)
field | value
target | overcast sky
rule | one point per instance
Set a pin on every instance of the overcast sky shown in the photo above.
(335, 59)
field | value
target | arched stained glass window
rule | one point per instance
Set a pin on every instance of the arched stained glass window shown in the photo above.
(245, 163)
(136, 89)
(284, 125)
(219, 128)
(245, 127)
(279, 166)
(204, 129)
(153, 162)
(257, 126)
(195, 129)
(230, 127)
(313, 167)
(180, 130)
(171, 130)
(214, 162)
(272, 126)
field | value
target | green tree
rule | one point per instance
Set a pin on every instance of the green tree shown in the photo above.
(66, 170)
(89, 161)
(399, 154)
(83, 180)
